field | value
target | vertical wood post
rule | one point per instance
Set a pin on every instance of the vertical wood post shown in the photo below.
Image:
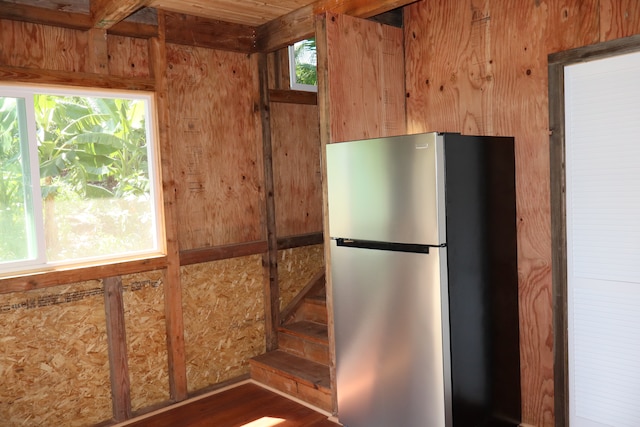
(172, 283)
(270, 259)
(117, 344)
(322, 68)
(97, 60)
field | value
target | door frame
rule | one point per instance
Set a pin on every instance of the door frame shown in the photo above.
(557, 62)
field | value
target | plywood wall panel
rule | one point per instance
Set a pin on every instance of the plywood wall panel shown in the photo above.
(128, 56)
(42, 47)
(366, 84)
(223, 317)
(215, 126)
(480, 66)
(146, 339)
(54, 367)
(296, 168)
(619, 18)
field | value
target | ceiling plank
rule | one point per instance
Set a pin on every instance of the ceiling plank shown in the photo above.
(203, 32)
(299, 24)
(106, 13)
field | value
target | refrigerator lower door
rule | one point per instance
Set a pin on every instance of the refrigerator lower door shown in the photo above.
(390, 364)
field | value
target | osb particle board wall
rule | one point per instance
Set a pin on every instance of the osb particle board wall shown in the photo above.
(480, 67)
(54, 366)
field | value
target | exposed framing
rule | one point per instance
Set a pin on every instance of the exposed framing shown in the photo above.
(557, 62)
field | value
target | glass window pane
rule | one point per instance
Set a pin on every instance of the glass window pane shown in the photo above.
(16, 205)
(95, 178)
(303, 65)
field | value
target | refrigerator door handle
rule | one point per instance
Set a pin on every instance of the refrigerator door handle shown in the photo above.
(386, 246)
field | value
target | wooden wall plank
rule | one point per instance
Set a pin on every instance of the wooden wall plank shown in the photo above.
(66, 78)
(172, 284)
(215, 121)
(619, 18)
(296, 165)
(117, 341)
(293, 96)
(49, 48)
(371, 102)
(197, 256)
(128, 57)
(476, 69)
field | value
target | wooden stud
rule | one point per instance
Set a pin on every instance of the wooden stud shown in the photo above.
(270, 259)
(293, 97)
(106, 13)
(203, 32)
(300, 240)
(54, 77)
(97, 58)
(172, 284)
(117, 342)
(325, 138)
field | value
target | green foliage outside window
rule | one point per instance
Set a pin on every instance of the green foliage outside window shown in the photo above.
(94, 177)
(306, 62)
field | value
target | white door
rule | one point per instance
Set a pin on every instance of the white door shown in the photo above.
(602, 113)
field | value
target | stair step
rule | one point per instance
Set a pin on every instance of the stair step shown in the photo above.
(311, 331)
(305, 339)
(318, 299)
(313, 309)
(298, 377)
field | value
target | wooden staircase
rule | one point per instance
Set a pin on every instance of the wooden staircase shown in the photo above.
(300, 366)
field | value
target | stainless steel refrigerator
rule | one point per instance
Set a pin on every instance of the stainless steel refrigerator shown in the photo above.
(424, 281)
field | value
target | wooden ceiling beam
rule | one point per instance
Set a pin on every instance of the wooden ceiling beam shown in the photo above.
(38, 15)
(299, 24)
(106, 13)
(72, 20)
(210, 33)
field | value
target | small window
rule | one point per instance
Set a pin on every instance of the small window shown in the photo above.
(303, 65)
(78, 178)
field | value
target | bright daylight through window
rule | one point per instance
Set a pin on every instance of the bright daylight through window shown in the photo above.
(77, 177)
(303, 65)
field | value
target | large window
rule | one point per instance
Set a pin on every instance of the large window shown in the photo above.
(303, 65)
(77, 177)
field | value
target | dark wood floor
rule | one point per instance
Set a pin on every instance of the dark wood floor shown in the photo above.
(247, 405)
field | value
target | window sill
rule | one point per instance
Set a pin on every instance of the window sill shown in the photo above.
(54, 276)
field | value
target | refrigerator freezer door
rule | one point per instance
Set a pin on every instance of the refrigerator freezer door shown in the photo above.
(389, 189)
(390, 364)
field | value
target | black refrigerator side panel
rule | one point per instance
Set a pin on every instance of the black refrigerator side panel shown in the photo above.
(483, 286)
